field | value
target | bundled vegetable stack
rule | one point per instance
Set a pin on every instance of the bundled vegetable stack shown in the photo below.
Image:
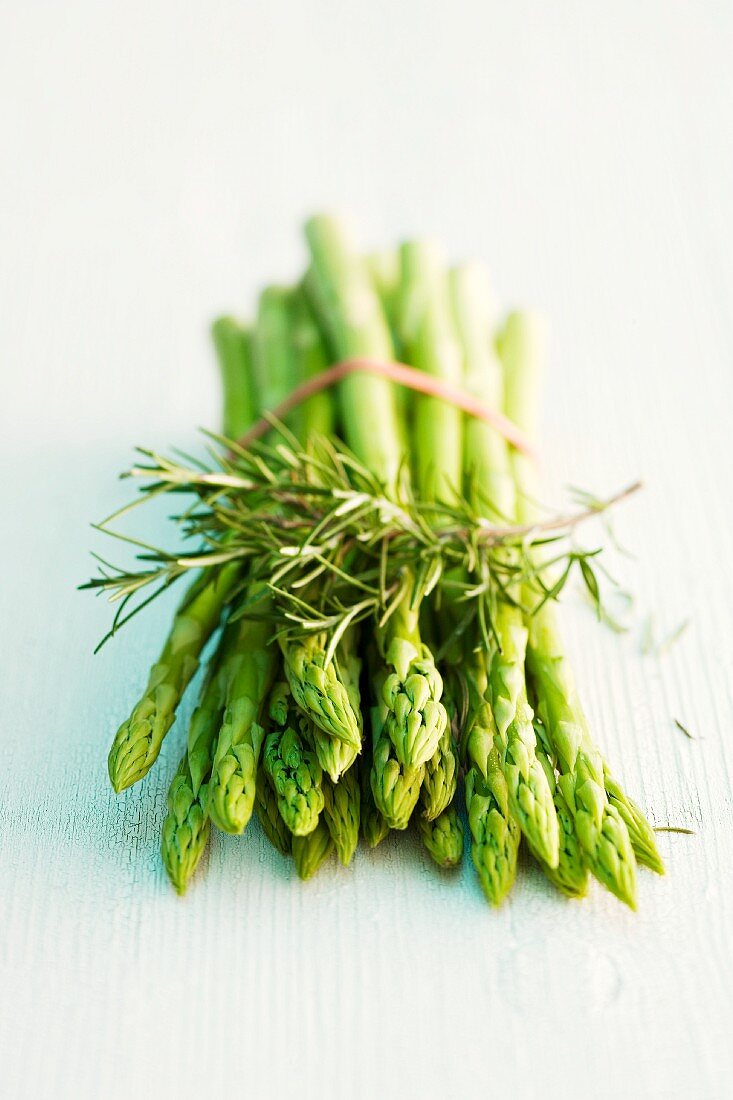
(379, 589)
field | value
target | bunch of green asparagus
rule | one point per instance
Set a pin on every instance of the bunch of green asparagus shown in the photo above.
(333, 734)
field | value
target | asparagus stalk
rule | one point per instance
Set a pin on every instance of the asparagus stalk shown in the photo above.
(350, 313)
(495, 834)
(291, 765)
(491, 489)
(395, 786)
(441, 776)
(233, 344)
(384, 268)
(310, 851)
(284, 345)
(318, 412)
(600, 827)
(269, 815)
(430, 343)
(273, 355)
(414, 719)
(288, 345)
(452, 693)
(341, 813)
(186, 827)
(319, 690)
(530, 794)
(248, 672)
(351, 317)
(374, 828)
(329, 694)
(443, 837)
(335, 755)
(251, 661)
(641, 833)
(138, 740)
(571, 874)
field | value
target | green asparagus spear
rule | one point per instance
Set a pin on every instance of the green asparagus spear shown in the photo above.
(248, 672)
(318, 412)
(441, 775)
(495, 833)
(571, 874)
(186, 826)
(269, 815)
(415, 719)
(384, 268)
(599, 825)
(252, 661)
(641, 833)
(287, 350)
(351, 316)
(334, 755)
(374, 828)
(341, 812)
(233, 344)
(292, 766)
(395, 786)
(319, 690)
(443, 837)
(186, 829)
(310, 851)
(138, 740)
(273, 353)
(431, 344)
(530, 794)
(490, 485)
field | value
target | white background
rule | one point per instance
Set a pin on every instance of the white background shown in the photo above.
(157, 160)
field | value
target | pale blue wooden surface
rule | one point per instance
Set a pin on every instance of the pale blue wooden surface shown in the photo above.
(157, 161)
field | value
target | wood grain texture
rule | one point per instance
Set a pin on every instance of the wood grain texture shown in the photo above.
(159, 159)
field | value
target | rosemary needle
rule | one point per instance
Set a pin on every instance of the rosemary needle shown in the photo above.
(684, 729)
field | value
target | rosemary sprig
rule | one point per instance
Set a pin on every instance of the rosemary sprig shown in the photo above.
(297, 516)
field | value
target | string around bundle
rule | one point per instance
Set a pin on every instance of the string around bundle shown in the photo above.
(402, 375)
